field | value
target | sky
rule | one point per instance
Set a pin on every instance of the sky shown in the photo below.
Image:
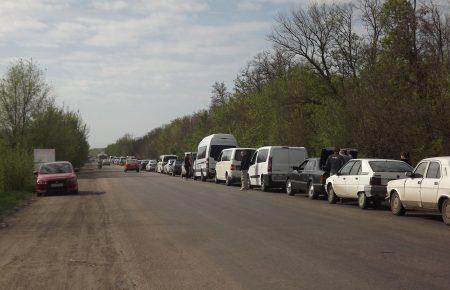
(131, 66)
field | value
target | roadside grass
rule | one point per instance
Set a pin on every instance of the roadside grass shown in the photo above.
(8, 200)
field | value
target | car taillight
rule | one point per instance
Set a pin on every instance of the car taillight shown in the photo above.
(323, 179)
(41, 182)
(207, 163)
(375, 180)
(269, 166)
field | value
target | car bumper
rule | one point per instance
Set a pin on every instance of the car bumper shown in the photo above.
(275, 180)
(376, 191)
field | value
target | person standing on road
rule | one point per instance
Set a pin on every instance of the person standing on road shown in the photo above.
(187, 165)
(334, 162)
(404, 156)
(245, 164)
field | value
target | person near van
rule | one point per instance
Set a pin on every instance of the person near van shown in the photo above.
(404, 156)
(347, 157)
(334, 162)
(187, 165)
(245, 164)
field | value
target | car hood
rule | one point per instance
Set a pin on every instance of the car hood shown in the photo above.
(56, 176)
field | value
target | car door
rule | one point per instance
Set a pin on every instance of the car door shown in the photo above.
(261, 164)
(305, 176)
(219, 165)
(430, 186)
(252, 169)
(353, 180)
(340, 179)
(412, 197)
(296, 176)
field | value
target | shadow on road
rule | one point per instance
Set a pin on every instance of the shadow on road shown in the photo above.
(85, 193)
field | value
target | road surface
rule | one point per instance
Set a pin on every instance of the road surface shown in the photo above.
(149, 231)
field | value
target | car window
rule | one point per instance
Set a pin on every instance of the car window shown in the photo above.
(238, 156)
(55, 168)
(420, 169)
(356, 169)
(311, 165)
(227, 155)
(201, 152)
(347, 167)
(216, 149)
(253, 160)
(434, 170)
(303, 165)
(262, 155)
(390, 166)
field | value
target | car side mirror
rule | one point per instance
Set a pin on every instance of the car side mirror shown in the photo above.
(338, 173)
(76, 169)
(409, 174)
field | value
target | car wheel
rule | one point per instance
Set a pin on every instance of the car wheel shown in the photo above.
(289, 190)
(203, 177)
(363, 200)
(311, 191)
(217, 181)
(332, 198)
(263, 185)
(396, 205)
(445, 211)
(227, 180)
(137, 170)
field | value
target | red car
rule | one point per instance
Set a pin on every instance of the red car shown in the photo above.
(132, 164)
(56, 177)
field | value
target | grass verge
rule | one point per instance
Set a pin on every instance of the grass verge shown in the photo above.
(8, 200)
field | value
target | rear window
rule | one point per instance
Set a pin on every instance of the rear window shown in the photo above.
(390, 166)
(167, 158)
(262, 155)
(238, 156)
(216, 149)
(201, 152)
(55, 168)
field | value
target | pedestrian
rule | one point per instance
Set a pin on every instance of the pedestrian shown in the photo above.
(191, 164)
(187, 165)
(245, 164)
(404, 156)
(334, 162)
(347, 157)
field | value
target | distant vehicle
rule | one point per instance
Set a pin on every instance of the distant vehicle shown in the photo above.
(168, 166)
(42, 156)
(427, 188)
(270, 166)
(175, 168)
(365, 180)
(132, 164)
(151, 165)
(56, 177)
(228, 167)
(208, 153)
(122, 161)
(310, 176)
(143, 164)
(162, 161)
(106, 162)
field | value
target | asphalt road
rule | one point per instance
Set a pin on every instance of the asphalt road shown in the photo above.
(149, 231)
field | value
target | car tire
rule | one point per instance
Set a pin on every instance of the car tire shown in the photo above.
(363, 200)
(445, 212)
(227, 180)
(312, 194)
(137, 170)
(289, 190)
(396, 204)
(332, 198)
(263, 186)
(217, 181)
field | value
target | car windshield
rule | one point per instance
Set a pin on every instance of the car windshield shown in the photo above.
(216, 149)
(390, 166)
(54, 168)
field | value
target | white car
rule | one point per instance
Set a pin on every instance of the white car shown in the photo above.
(228, 167)
(162, 161)
(169, 164)
(151, 165)
(270, 166)
(365, 180)
(426, 188)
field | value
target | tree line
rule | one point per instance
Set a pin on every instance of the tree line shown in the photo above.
(373, 75)
(30, 118)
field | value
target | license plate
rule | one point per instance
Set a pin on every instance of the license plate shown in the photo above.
(56, 185)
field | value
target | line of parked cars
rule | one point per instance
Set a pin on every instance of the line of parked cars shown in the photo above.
(369, 181)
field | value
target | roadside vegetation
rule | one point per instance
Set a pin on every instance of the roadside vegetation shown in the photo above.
(29, 118)
(373, 75)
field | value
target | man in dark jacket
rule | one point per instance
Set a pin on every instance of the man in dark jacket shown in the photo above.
(334, 162)
(245, 164)
(187, 165)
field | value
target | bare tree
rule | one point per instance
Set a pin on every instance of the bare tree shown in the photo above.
(24, 93)
(371, 17)
(219, 94)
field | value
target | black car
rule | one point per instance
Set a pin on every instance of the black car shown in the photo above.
(310, 176)
(144, 164)
(176, 168)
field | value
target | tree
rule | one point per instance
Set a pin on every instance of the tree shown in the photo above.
(219, 94)
(24, 94)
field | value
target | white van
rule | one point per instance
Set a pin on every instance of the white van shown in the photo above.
(162, 161)
(228, 167)
(271, 165)
(208, 153)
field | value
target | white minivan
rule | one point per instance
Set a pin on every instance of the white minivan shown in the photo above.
(228, 167)
(271, 165)
(208, 153)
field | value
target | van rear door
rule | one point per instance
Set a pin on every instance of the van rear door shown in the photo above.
(280, 159)
(296, 156)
